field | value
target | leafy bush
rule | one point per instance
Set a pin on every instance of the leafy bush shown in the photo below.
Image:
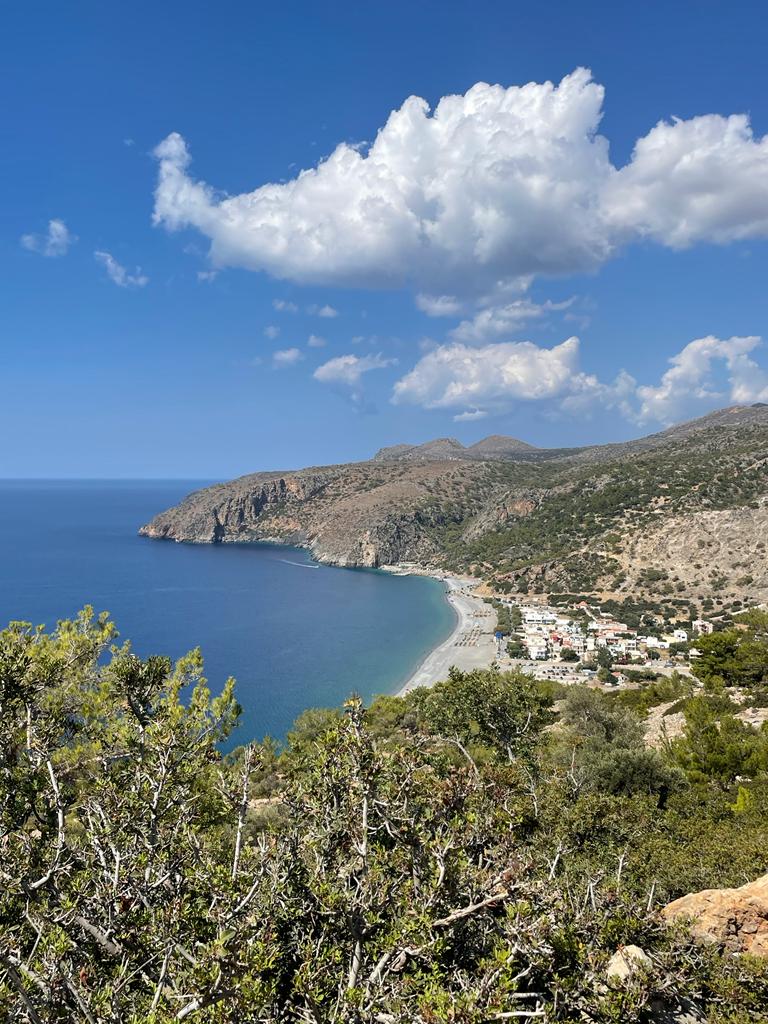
(445, 857)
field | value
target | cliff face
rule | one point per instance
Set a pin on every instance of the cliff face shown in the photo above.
(681, 512)
(364, 514)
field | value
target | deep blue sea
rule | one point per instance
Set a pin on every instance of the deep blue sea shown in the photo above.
(294, 634)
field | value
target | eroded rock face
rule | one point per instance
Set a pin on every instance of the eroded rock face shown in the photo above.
(363, 514)
(736, 919)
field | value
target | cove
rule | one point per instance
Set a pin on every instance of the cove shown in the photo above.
(293, 633)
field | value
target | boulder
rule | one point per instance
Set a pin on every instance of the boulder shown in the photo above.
(735, 919)
(626, 962)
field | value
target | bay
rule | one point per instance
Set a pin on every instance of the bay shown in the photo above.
(293, 633)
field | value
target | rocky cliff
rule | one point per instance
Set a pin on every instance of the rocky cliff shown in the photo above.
(682, 512)
(363, 514)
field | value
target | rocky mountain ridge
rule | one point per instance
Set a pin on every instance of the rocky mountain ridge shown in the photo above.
(680, 511)
(497, 446)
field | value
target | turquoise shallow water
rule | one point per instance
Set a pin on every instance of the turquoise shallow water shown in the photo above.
(294, 634)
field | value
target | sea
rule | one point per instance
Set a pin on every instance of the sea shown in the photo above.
(293, 633)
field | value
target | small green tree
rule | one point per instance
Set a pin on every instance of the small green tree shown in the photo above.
(604, 742)
(716, 746)
(502, 711)
(604, 658)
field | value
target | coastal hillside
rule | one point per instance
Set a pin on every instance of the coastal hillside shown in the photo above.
(680, 515)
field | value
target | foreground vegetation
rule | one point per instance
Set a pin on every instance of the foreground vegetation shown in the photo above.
(463, 854)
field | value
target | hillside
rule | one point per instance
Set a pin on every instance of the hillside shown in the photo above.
(680, 515)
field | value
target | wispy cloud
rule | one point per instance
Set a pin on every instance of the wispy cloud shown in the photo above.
(470, 416)
(347, 372)
(438, 305)
(499, 322)
(55, 242)
(118, 273)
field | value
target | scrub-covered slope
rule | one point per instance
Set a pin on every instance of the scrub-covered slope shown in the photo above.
(685, 510)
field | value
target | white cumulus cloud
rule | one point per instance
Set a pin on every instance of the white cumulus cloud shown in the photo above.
(315, 341)
(348, 370)
(286, 357)
(691, 382)
(702, 180)
(484, 192)
(326, 312)
(283, 306)
(55, 242)
(475, 380)
(458, 376)
(271, 331)
(117, 272)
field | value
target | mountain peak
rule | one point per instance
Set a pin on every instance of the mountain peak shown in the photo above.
(440, 449)
(499, 445)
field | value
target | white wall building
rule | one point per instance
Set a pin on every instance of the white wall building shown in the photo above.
(703, 627)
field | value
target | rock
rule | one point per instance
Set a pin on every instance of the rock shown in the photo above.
(736, 919)
(683, 1012)
(661, 727)
(626, 962)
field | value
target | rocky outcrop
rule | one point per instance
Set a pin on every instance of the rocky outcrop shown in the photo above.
(661, 726)
(239, 511)
(699, 549)
(735, 919)
(513, 505)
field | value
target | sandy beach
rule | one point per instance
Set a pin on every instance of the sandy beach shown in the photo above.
(470, 645)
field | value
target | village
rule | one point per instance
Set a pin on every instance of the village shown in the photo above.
(580, 643)
(575, 643)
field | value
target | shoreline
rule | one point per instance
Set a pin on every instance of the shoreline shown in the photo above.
(470, 644)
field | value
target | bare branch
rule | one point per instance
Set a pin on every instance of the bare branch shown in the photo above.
(473, 908)
(15, 979)
(243, 808)
(59, 829)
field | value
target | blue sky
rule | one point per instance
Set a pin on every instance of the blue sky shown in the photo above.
(138, 348)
